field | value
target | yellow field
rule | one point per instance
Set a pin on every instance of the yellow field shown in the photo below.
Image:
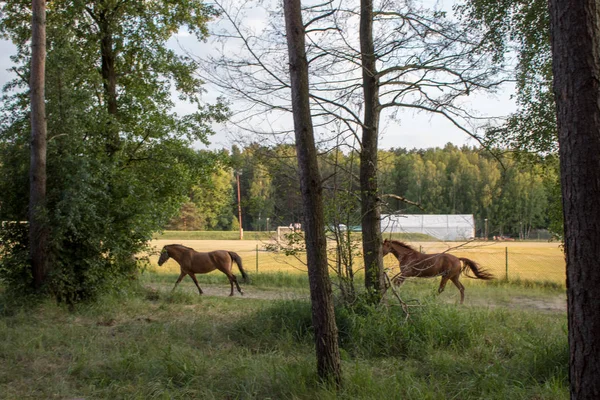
(538, 261)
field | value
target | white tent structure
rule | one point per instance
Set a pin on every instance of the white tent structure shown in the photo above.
(442, 227)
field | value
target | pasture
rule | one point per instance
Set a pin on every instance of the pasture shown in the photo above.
(527, 261)
(509, 340)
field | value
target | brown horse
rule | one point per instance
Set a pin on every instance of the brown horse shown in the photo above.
(448, 266)
(193, 262)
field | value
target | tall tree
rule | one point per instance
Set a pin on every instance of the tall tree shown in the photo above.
(575, 33)
(370, 199)
(323, 315)
(38, 229)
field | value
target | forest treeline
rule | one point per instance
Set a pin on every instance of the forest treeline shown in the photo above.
(517, 197)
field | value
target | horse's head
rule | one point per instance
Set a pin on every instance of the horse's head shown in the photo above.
(397, 248)
(164, 256)
(386, 247)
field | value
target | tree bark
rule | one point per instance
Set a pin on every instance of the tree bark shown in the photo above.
(575, 35)
(323, 314)
(38, 230)
(370, 201)
(105, 20)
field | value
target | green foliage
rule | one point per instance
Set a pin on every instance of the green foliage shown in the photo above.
(15, 271)
(209, 205)
(521, 26)
(115, 176)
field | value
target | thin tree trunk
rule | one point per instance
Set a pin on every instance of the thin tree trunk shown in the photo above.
(323, 315)
(38, 230)
(109, 74)
(575, 29)
(370, 204)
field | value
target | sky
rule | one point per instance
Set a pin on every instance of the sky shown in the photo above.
(409, 130)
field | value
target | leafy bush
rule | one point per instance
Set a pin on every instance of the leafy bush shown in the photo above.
(15, 272)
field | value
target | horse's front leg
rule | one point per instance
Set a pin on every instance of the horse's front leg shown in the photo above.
(181, 276)
(443, 283)
(400, 277)
(196, 282)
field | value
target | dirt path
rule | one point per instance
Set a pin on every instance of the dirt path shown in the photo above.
(551, 304)
(224, 290)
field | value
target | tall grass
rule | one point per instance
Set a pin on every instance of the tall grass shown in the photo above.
(148, 343)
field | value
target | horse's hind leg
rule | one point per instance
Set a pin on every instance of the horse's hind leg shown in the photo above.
(460, 287)
(232, 280)
(239, 289)
(196, 282)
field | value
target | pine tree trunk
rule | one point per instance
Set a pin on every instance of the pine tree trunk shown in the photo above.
(38, 231)
(575, 28)
(323, 315)
(370, 202)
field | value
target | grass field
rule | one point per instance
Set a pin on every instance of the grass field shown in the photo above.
(146, 343)
(527, 261)
(508, 341)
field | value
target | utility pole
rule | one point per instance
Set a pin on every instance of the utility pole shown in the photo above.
(238, 173)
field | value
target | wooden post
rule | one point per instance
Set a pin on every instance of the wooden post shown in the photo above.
(506, 260)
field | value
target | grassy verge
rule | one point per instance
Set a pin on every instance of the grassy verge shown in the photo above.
(147, 343)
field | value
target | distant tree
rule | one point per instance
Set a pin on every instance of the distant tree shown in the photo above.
(575, 33)
(188, 219)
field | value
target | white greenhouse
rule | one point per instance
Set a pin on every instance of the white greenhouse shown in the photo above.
(442, 227)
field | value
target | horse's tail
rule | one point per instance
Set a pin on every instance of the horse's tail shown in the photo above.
(477, 270)
(238, 260)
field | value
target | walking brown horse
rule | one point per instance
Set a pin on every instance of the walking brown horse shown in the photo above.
(414, 263)
(194, 262)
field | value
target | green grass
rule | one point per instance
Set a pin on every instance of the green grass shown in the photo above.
(146, 343)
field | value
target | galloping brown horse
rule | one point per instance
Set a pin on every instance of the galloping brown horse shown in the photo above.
(193, 262)
(448, 266)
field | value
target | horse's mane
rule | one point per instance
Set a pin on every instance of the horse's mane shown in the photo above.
(406, 246)
(178, 245)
